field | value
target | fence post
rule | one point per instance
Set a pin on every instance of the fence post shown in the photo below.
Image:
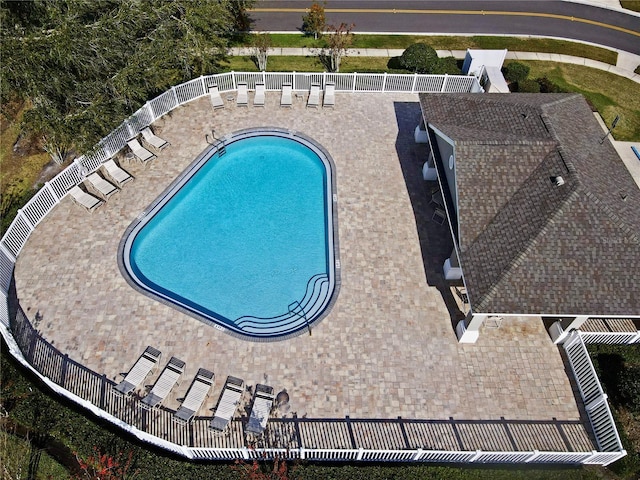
(413, 85)
(175, 95)
(48, 186)
(536, 454)
(444, 83)
(594, 453)
(63, 372)
(475, 456)
(418, 454)
(150, 110)
(384, 82)
(233, 80)
(353, 88)
(27, 221)
(596, 402)
(360, 453)
(245, 453)
(293, 81)
(204, 86)
(103, 391)
(32, 347)
(132, 131)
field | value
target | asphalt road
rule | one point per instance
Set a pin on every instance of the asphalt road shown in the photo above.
(549, 18)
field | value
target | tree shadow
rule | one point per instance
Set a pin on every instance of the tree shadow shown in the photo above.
(610, 367)
(435, 239)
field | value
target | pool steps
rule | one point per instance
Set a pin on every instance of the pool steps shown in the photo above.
(313, 301)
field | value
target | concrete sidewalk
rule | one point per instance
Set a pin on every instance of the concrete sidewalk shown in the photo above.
(624, 67)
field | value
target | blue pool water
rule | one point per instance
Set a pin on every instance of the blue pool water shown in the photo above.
(244, 239)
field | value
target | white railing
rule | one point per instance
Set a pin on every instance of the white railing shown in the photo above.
(594, 398)
(610, 337)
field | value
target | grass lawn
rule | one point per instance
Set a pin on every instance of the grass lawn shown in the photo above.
(441, 42)
(631, 4)
(15, 454)
(610, 94)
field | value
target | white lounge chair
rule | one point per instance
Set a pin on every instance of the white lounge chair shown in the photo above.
(286, 99)
(314, 96)
(258, 99)
(243, 96)
(139, 151)
(198, 392)
(153, 140)
(105, 188)
(228, 404)
(85, 199)
(329, 99)
(214, 95)
(116, 173)
(262, 402)
(165, 382)
(143, 367)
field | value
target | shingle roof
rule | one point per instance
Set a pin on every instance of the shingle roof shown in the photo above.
(526, 245)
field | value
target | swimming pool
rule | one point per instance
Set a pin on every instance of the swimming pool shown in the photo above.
(244, 239)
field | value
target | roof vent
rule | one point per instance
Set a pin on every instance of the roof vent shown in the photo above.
(557, 180)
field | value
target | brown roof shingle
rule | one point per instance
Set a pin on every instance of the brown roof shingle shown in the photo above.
(526, 245)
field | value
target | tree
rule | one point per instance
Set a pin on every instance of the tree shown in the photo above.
(420, 58)
(261, 44)
(241, 19)
(84, 66)
(313, 23)
(339, 39)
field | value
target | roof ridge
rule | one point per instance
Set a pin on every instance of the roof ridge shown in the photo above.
(564, 98)
(617, 220)
(497, 285)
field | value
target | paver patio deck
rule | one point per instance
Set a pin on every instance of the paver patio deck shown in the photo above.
(387, 348)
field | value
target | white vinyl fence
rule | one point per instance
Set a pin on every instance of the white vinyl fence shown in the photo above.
(594, 398)
(618, 338)
(399, 439)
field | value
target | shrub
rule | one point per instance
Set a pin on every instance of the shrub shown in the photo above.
(448, 65)
(515, 72)
(629, 388)
(528, 86)
(547, 86)
(419, 58)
